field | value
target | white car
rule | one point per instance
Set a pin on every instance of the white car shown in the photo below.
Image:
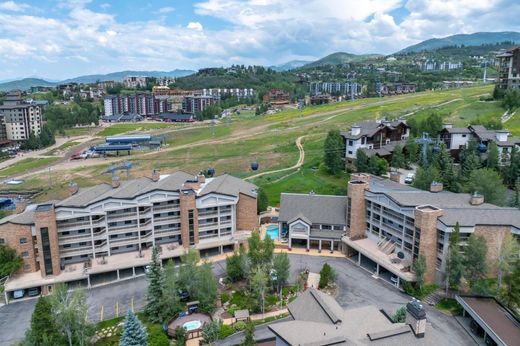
(409, 178)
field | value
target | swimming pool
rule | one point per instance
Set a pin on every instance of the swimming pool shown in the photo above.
(192, 325)
(273, 232)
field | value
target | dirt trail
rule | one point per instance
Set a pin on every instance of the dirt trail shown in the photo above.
(298, 164)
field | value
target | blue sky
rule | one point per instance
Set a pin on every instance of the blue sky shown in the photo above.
(58, 39)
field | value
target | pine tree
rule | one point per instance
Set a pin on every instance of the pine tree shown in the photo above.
(134, 333)
(425, 177)
(419, 268)
(170, 301)
(412, 149)
(334, 152)
(475, 265)
(154, 295)
(492, 159)
(444, 164)
(361, 161)
(262, 201)
(398, 159)
(249, 335)
(454, 266)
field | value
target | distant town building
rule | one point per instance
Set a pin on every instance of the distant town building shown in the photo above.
(19, 118)
(196, 104)
(276, 97)
(335, 88)
(133, 82)
(509, 69)
(435, 65)
(165, 81)
(233, 92)
(395, 88)
(375, 138)
(143, 104)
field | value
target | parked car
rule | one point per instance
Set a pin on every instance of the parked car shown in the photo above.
(33, 292)
(394, 279)
(18, 294)
(409, 178)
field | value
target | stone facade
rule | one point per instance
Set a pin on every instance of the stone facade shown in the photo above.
(187, 203)
(494, 236)
(357, 204)
(47, 219)
(426, 221)
(12, 235)
(247, 219)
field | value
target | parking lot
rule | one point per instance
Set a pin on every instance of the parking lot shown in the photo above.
(357, 287)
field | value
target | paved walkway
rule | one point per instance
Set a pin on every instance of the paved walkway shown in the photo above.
(298, 164)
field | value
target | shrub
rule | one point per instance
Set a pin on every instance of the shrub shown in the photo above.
(272, 300)
(157, 336)
(400, 315)
(225, 331)
(239, 326)
(224, 297)
(327, 275)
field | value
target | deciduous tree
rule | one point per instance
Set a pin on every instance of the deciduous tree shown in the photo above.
(419, 268)
(475, 266)
(10, 261)
(281, 267)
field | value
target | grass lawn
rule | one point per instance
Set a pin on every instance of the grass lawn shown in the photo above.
(449, 306)
(117, 129)
(26, 165)
(78, 131)
(513, 124)
(62, 147)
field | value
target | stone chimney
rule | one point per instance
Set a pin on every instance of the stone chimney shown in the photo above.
(355, 130)
(447, 126)
(436, 186)
(416, 317)
(395, 176)
(357, 186)
(156, 175)
(476, 199)
(73, 188)
(115, 182)
(20, 206)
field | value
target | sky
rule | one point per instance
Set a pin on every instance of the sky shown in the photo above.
(59, 39)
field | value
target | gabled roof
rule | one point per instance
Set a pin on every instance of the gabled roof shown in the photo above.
(228, 185)
(461, 130)
(301, 217)
(370, 128)
(316, 306)
(317, 209)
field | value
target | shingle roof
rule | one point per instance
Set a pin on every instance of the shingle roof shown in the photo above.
(316, 306)
(305, 333)
(318, 209)
(369, 128)
(228, 185)
(457, 130)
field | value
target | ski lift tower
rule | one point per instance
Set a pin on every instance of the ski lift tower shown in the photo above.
(126, 166)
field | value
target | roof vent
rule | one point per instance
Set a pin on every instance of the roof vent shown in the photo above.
(156, 175)
(476, 199)
(115, 182)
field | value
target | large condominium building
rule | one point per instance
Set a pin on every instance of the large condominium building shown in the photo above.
(384, 226)
(375, 138)
(20, 119)
(143, 104)
(234, 92)
(335, 88)
(110, 228)
(457, 139)
(509, 69)
(134, 82)
(195, 104)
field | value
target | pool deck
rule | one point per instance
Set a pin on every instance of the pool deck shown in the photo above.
(179, 322)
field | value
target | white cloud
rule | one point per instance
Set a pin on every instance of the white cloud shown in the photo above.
(166, 10)
(194, 26)
(14, 6)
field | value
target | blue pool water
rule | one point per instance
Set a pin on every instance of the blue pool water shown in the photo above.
(273, 232)
(192, 325)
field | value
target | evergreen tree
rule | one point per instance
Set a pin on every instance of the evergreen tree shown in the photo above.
(398, 159)
(412, 150)
(475, 266)
(210, 332)
(425, 177)
(327, 275)
(510, 292)
(334, 152)
(262, 201)
(377, 165)
(455, 266)
(134, 333)
(180, 336)
(443, 162)
(170, 296)
(154, 296)
(488, 183)
(281, 266)
(419, 268)
(249, 335)
(43, 331)
(492, 159)
(361, 161)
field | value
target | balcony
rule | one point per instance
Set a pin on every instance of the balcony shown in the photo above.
(124, 216)
(174, 207)
(77, 251)
(124, 241)
(73, 226)
(74, 238)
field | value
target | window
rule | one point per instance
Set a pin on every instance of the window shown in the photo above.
(191, 228)
(26, 267)
(25, 254)
(463, 136)
(23, 240)
(2, 241)
(46, 247)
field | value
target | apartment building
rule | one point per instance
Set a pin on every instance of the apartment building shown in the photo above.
(375, 138)
(509, 69)
(133, 82)
(457, 138)
(233, 92)
(383, 225)
(197, 103)
(111, 228)
(389, 225)
(20, 119)
(143, 104)
(276, 97)
(335, 88)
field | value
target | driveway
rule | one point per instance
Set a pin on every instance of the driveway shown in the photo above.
(356, 288)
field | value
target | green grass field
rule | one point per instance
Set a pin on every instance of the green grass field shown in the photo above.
(117, 129)
(26, 165)
(79, 131)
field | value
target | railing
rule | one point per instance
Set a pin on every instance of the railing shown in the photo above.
(123, 241)
(76, 251)
(73, 238)
(122, 227)
(166, 206)
(124, 216)
(69, 226)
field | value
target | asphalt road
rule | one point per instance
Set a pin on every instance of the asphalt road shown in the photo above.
(356, 288)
